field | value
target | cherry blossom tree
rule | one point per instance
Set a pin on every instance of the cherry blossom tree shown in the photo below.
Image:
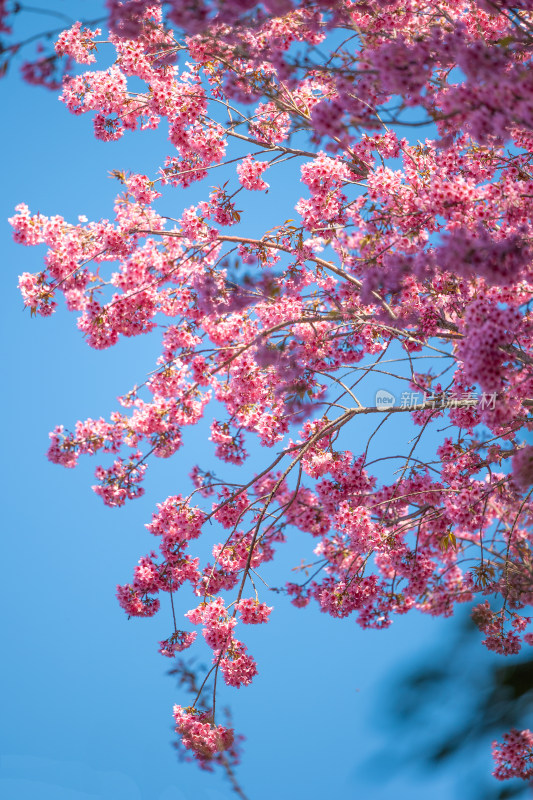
(406, 274)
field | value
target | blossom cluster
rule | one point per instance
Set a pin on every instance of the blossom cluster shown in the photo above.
(514, 756)
(199, 733)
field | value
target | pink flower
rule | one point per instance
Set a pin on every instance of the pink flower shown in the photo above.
(250, 171)
(252, 612)
(77, 42)
(179, 641)
(238, 668)
(514, 756)
(523, 468)
(199, 733)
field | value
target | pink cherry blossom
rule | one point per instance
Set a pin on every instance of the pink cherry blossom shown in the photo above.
(399, 294)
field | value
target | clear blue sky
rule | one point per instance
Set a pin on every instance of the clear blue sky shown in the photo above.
(87, 704)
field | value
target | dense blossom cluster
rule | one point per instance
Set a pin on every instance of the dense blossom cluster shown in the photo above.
(409, 261)
(200, 734)
(514, 756)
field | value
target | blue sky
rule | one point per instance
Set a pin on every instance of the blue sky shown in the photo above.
(87, 711)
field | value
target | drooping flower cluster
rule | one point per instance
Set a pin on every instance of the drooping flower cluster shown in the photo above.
(199, 733)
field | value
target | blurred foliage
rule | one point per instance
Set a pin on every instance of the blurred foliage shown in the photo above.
(446, 711)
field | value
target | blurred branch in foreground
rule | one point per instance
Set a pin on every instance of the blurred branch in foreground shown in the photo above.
(446, 709)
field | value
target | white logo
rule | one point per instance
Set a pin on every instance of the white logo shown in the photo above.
(384, 400)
